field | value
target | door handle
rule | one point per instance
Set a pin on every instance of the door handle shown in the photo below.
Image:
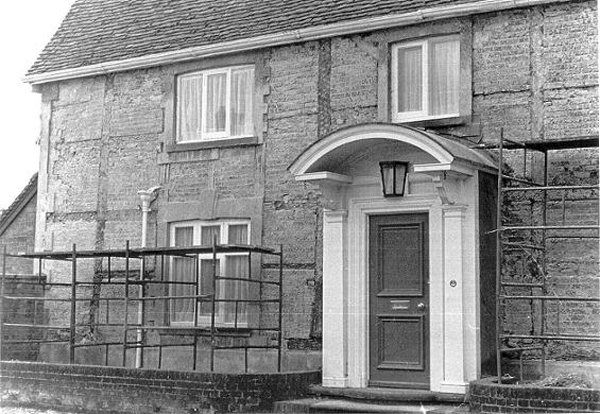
(421, 306)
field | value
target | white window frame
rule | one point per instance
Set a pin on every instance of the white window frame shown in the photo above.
(424, 114)
(204, 74)
(221, 257)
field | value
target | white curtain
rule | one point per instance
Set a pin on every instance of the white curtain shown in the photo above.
(241, 101)
(215, 102)
(206, 284)
(410, 79)
(445, 72)
(183, 271)
(208, 234)
(189, 108)
(236, 266)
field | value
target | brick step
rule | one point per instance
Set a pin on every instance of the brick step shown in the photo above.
(337, 405)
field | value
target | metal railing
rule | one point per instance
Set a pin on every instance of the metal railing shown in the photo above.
(126, 278)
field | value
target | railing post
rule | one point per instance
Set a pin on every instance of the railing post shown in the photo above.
(2, 312)
(196, 300)
(126, 305)
(73, 304)
(499, 260)
(280, 337)
(214, 307)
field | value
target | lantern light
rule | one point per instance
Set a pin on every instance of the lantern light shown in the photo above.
(393, 177)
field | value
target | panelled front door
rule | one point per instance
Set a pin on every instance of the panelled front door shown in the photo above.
(399, 301)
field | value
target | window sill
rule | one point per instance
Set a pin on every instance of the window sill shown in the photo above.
(204, 331)
(436, 122)
(221, 143)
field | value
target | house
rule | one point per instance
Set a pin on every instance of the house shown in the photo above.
(270, 122)
(17, 228)
(17, 235)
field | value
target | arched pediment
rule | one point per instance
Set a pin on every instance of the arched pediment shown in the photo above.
(440, 153)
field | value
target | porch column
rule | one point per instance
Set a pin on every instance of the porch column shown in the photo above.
(334, 299)
(454, 373)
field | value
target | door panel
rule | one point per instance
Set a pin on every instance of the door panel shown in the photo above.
(399, 301)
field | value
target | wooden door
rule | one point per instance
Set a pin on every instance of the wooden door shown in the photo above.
(399, 301)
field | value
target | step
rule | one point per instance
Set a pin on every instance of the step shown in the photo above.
(387, 395)
(335, 405)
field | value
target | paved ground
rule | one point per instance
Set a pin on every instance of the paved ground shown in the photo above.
(18, 410)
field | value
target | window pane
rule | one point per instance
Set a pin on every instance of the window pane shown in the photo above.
(189, 108)
(182, 271)
(206, 285)
(388, 180)
(410, 79)
(235, 266)
(241, 101)
(208, 234)
(215, 102)
(238, 234)
(445, 72)
(184, 236)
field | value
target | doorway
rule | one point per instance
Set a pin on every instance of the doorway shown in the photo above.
(399, 301)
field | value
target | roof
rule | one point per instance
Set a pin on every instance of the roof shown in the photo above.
(99, 31)
(18, 204)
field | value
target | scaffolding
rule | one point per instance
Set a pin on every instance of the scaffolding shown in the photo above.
(127, 278)
(522, 273)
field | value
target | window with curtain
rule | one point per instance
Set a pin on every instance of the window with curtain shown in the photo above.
(215, 104)
(232, 311)
(426, 79)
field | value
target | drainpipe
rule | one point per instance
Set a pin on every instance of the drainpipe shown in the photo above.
(147, 197)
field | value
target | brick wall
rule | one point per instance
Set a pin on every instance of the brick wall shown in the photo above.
(488, 397)
(121, 390)
(534, 73)
(19, 311)
(19, 237)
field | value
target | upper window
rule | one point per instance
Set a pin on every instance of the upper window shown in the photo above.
(230, 294)
(426, 79)
(215, 104)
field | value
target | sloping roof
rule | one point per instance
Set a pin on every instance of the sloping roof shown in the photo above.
(98, 31)
(19, 203)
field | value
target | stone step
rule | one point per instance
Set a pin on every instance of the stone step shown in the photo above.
(387, 395)
(336, 405)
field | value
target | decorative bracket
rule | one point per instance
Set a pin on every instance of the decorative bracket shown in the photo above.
(438, 182)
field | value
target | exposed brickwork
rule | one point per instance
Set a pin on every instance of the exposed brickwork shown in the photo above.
(488, 397)
(120, 390)
(21, 311)
(19, 237)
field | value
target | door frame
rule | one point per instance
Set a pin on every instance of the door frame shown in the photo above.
(453, 283)
(359, 211)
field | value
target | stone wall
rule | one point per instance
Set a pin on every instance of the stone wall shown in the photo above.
(531, 71)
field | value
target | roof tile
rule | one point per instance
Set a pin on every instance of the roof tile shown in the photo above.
(98, 31)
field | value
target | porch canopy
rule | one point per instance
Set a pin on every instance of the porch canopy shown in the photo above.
(345, 153)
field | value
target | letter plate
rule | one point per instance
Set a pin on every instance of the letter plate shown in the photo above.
(400, 304)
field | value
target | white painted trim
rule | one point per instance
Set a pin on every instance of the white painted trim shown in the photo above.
(443, 167)
(365, 132)
(335, 311)
(357, 286)
(284, 38)
(324, 175)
